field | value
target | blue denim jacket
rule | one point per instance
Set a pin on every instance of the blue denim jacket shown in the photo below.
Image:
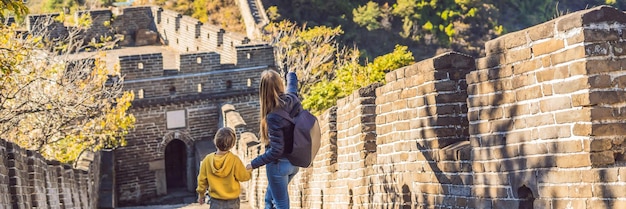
(280, 130)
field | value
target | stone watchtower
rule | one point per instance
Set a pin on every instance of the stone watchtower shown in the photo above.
(180, 87)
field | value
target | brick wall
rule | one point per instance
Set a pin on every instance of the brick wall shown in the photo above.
(136, 177)
(46, 24)
(132, 19)
(198, 84)
(198, 62)
(5, 195)
(141, 66)
(545, 113)
(27, 180)
(183, 34)
(536, 123)
(100, 24)
(187, 34)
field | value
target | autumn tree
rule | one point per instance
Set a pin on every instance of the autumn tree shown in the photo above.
(8, 7)
(55, 101)
(327, 70)
(311, 52)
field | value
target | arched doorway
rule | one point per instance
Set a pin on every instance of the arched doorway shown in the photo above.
(176, 165)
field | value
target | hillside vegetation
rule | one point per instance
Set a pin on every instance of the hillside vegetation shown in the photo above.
(427, 27)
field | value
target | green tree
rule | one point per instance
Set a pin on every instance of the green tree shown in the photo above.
(55, 103)
(350, 76)
(368, 15)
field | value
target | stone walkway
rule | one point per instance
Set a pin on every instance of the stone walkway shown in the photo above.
(178, 199)
(244, 205)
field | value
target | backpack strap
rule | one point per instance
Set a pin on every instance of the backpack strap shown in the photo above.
(284, 114)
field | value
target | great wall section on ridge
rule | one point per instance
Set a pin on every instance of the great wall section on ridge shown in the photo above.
(538, 122)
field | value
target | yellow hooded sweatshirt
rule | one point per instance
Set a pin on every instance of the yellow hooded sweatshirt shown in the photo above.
(222, 174)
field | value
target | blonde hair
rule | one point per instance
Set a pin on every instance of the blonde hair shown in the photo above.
(271, 88)
(225, 139)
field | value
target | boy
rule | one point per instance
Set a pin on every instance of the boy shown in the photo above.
(221, 173)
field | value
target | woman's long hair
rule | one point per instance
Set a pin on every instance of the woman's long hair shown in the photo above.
(271, 88)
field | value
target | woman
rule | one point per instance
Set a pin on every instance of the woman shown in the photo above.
(277, 135)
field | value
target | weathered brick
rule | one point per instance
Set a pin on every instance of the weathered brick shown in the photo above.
(618, 48)
(526, 66)
(476, 77)
(490, 192)
(540, 162)
(611, 203)
(570, 86)
(582, 129)
(570, 146)
(573, 161)
(519, 136)
(545, 75)
(609, 191)
(502, 98)
(553, 191)
(602, 158)
(522, 81)
(603, 66)
(500, 72)
(568, 55)
(597, 49)
(602, 175)
(494, 46)
(597, 35)
(541, 31)
(569, 21)
(603, 14)
(515, 39)
(490, 61)
(528, 93)
(534, 149)
(522, 54)
(453, 60)
(601, 145)
(555, 103)
(620, 81)
(546, 61)
(568, 203)
(547, 47)
(548, 89)
(580, 191)
(609, 129)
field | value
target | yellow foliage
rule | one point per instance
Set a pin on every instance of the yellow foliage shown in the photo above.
(57, 108)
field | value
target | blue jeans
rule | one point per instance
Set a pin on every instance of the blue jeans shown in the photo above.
(279, 174)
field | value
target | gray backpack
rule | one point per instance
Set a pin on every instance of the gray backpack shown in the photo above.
(306, 137)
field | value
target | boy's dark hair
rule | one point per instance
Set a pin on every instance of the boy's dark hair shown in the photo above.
(225, 139)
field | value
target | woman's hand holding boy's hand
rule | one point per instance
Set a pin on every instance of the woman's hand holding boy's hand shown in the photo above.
(249, 167)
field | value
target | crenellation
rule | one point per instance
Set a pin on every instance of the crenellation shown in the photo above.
(537, 122)
(28, 180)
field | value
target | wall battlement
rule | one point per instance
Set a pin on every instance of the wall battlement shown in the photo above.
(183, 34)
(537, 123)
(31, 181)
